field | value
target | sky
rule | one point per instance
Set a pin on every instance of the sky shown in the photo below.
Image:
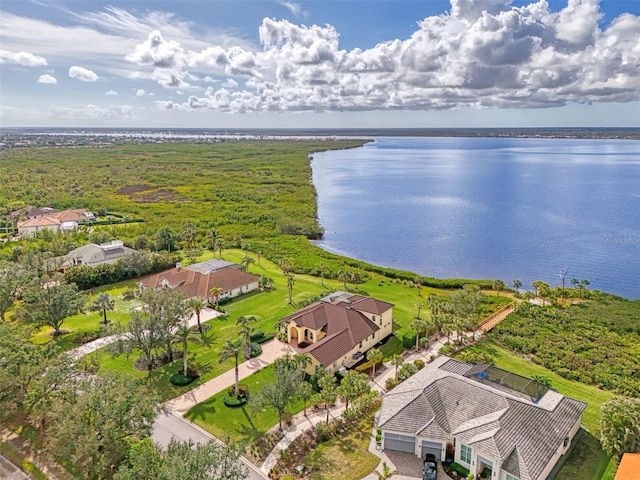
(319, 63)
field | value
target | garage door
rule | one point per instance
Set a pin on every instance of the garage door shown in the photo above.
(400, 443)
(432, 447)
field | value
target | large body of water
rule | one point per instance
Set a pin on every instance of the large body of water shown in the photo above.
(497, 208)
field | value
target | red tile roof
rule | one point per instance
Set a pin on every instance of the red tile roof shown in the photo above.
(39, 222)
(196, 284)
(342, 322)
(629, 468)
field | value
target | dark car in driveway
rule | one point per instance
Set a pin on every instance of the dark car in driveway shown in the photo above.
(431, 458)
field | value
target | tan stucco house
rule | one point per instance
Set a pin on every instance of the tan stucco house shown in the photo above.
(501, 426)
(339, 329)
(51, 219)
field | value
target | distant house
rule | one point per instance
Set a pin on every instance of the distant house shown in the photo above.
(499, 425)
(339, 329)
(92, 254)
(48, 218)
(230, 278)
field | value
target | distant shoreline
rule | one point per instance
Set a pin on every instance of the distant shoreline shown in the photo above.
(45, 136)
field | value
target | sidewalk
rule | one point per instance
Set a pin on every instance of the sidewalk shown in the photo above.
(90, 347)
(271, 350)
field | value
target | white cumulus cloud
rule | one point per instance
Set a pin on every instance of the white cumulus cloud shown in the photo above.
(482, 53)
(111, 92)
(94, 112)
(26, 59)
(83, 74)
(140, 93)
(48, 79)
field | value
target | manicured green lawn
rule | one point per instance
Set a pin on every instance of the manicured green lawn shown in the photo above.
(391, 347)
(242, 424)
(594, 397)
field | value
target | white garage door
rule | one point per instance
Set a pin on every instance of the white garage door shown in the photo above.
(432, 447)
(400, 443)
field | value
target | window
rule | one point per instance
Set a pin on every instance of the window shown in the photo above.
(373, 335)
(511, 477)
(373, 318)
(566, 442)
(465, 454)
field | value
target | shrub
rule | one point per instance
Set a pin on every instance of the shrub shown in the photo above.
(409, 340)
(470, 356)
(390, 383)
(180, 380)
(254, 350)
(418, 363)
(257, 335)
(456, 467)
(265, 338)
(243, 391)
(378, 437)
(406, 370)
(447, 349)
(323, 431)
(232, 401)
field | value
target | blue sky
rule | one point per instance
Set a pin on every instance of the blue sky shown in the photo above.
(343, 63)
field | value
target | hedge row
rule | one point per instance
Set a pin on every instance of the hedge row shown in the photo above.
(131, 266)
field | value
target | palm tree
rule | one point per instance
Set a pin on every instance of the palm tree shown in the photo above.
(498, 286)
(322, 268)
(305, 392)
(212, 239)
(285, 266)
(516, 284)
(165, 238)
(221, 246)
(196, 305)
(419, 306)
(215, 294)
(189, 233)
(290, 282)
(419, 326)
(343, 276)
(230, 349)
(375, 356)
(102, 303)
(245, 332)
(563, 275)
(397, 362)
(183, 334)
(418, 283)
(246, 261)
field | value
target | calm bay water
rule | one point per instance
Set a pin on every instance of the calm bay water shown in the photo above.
(493, 208)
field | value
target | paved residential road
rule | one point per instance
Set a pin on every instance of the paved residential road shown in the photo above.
(8, 471)
(169, 425)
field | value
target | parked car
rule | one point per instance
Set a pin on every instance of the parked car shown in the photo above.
(431, 458)
(429, 471)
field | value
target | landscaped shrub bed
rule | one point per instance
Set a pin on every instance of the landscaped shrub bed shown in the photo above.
(233, 402)
(179, 380)
(455, 470)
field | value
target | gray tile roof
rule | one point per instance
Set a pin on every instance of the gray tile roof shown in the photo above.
(523, 436)
(211, 266)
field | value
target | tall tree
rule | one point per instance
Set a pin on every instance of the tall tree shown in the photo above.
(563, 275)
(517, 284)
(305, 392)
(418, 281)
(419, 306)
(397, 361)
(230, 349)
(143, 333)
(214, 293)
(322, 268)
(94, 424)
(282, 392)
(182, 461)
(620, 426)
(343, 276)
(167, 308)
(102, 303)
(165, 239)
(12, 279)
(290, 282)
(328, 390)
(246, 261)
(419, 326)
(244, 322)
(498, 286)
(184, 334)
(52, 304)
(197, 305)
(353, 385)
(375, 356)
(212, 239)
(189, 234)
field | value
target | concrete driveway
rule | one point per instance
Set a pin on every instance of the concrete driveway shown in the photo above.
(8, 471)
(409, 466)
